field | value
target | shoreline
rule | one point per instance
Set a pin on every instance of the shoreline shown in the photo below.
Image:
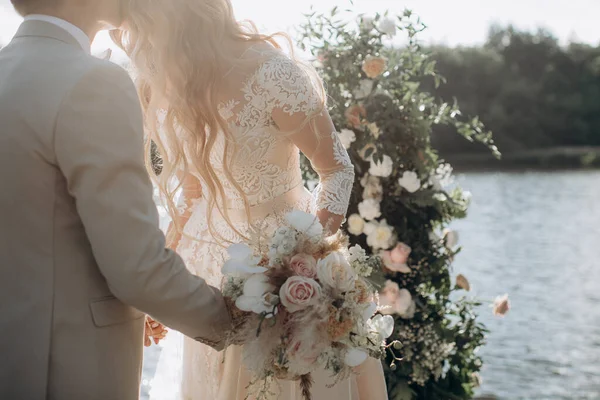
(549, 159)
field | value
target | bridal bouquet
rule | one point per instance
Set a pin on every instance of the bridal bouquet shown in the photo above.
(308, 303)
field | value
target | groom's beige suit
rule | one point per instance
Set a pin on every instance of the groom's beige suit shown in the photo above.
(80, 247)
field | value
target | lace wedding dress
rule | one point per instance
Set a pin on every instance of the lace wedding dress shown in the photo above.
(277, 96)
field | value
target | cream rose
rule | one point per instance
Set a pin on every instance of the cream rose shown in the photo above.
(369, 209)
(380, 235)
(335, 272)
(298, 293)
(374, 66)
(356, 224)
(410, 181)
(304, 265)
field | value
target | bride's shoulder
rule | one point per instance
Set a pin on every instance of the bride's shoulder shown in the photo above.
(277, 66)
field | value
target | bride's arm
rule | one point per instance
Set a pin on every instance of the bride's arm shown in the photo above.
(317, 138)
(191, 190)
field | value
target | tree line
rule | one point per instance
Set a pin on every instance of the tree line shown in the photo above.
(529, 90)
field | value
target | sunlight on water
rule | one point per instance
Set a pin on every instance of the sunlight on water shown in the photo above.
(536, 236)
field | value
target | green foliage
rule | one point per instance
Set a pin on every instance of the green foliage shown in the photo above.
(439, 342)
(532, 92)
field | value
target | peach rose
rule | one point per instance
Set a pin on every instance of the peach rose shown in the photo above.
(304, 265)
(462, 282)
(356, 115)
(395, 260)
(299, 292)
(501, 305)
(374, 66)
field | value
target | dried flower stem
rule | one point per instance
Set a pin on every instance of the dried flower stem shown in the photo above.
(306, 383)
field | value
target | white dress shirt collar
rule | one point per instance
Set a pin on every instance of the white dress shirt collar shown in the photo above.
(78, 34)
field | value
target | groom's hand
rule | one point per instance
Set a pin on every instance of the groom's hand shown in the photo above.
(153, 330)
(238, 318)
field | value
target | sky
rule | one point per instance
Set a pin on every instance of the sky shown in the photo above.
(456, 22)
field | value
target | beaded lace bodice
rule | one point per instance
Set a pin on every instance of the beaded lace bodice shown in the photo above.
(266, 162)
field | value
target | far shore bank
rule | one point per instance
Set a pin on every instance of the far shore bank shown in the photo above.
(556, 158)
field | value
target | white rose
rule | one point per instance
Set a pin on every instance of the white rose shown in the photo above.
(369, 209)
(383, 168)
(365, 89)
(335, 271)
(355, 224)
(410, 181)
(241, 261)
(370, 227)
(304, 222)
(355, 357)
(387, 26)
(347, 137)
(380, 236)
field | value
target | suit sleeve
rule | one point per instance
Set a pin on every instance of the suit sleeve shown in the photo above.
(99, 149)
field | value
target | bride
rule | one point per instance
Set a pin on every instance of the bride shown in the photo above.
(233, 112)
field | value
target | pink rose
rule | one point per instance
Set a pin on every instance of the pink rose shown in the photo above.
(396, 259)
(501, 305)
(304, 265)
(299, 292)
(396, 301)
(356, 115)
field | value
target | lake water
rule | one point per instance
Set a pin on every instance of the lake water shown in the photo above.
(536, 236)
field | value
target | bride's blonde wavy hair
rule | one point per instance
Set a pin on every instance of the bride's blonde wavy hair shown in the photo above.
(176, 49)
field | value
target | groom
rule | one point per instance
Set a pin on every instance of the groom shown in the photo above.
(80, 247)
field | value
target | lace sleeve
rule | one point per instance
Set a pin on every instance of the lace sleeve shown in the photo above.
(298, 109)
